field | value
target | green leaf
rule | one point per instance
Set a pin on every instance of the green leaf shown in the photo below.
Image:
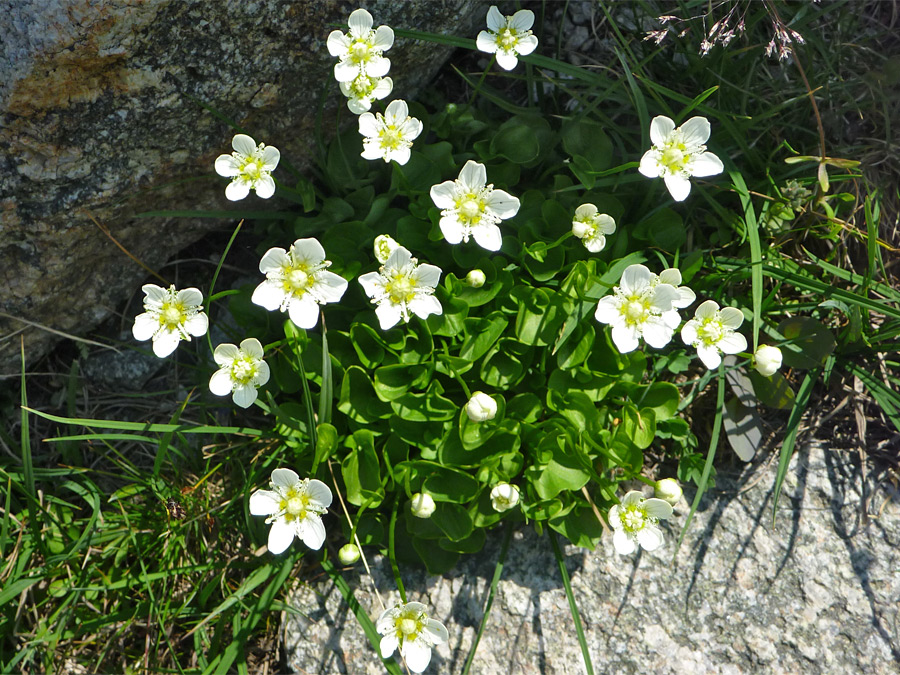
(446, 484)
(810, 342)
(368, 344)
(358, 399)
(561, 473)
(501, 369)
(662, 397)
(577, 347)
(664, 228)
(580, 526)
(471, 544)
(481, 335)
(639, 427)
(474, 434)
(392, 382)
(453, 520)
(541, 313)
(743, 429)
(773, 391)
(516, 142)
(361, 470)
(585, 138)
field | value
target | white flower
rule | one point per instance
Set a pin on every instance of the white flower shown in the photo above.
(469, 207)
(169, 317)
(592, 227)
(242, 371)
(360, 51)
(348, 554)
(481, 407)
(389, 136)
(641, 307)
(362, 90)
(712, 332)
(384, 246)
(402, 286)
(686, 296)
(635, 520)
(678, 154)
(668, 490)
(408, 627)
(250, 166)
(508, 36)
(294, 508)
(504, 496)
(475, 278)
(297, 282)
(422, 505)
(767, 360)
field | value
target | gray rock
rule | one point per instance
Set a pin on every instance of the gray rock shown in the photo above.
(99, 116)
(817, 593)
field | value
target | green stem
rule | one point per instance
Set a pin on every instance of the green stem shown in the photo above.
(394, 567)
(573, 608)
(212, 284)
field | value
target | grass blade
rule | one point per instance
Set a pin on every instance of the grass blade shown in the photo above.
(790, 438)
(756, 271)
(573, 608)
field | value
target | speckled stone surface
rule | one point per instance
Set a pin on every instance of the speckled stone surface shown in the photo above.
(98, 115)
(819, 593)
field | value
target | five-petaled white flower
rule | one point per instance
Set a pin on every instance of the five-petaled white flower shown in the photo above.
(504, 496)
(250, 166)
(508, 36)
(408, 627)
(592, 227)
(169, 317)
(679, 153)
(767, 360)
(635, 520)
(241, 373)
(294, 508)
(362, 90)
(389, 136)
(712, 332)
(640, 307)
(402, 286)
(297, 282)
(470, 208)
(360, 51)
(686, 296)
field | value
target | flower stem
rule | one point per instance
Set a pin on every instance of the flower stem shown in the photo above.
(394, 567)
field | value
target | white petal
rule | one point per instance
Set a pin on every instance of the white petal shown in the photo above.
(378, 66)
(345, 71)
(244, 395)
(423, 305)
(656, 332)
(398, 259)
(270, 156)
(165, 343)
(388, 645)
(274, 259)
(522, 20)
(607, 310)
(304, 311)
(623, 543)
(606, 223)
(197, 325)
(388, 314)
(436, 631)
(265, 186)
(237, 190)
(486, 42)
(733, 343)
(396, 112)
(625, 337)
(634, 279)
(252, 347)
(504, 205)
(372, 150)
(319, 493)
(495, 20)
(426, 275)
(473, 175)
(706, 164)
(526, 45)
(269, 295)
(228, 166)
(243, 144)
(225, 354)
(452, 229)
(696, 131)
(190, 297)
(614, 517)
(221, 383)
(650, 537)
(311, 531)
(731, 317)
(337, 43)
(679, 187)
(144, 327)
(488, 236)
(709, 355)
(664, 297)
(384, 38)
(686, 297)
(371, 282)
(359, 105)
(671, 276)
(329, 287)
(707, 310)
(672, 319)
(285, 478)
(658, 508)
(595, 244)
(307, 251)
(689, 332)
(368, 125)
(661, 127)
(506, 59)
(650, 166)
(264, 503)
(280, 537)
(262, 374)
(417, 655)
(444, 195)
(632, 497)
(154, 293)
(360, 22)
(400, 155)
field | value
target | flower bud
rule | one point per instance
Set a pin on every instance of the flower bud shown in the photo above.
(348, 554)
(504, 497)
(481, 407)
(669, 490)
(421, 505)
(384, 246)
(476, 278)
(767, 360)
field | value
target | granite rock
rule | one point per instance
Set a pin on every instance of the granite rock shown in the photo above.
(100, 116)
(818, 592)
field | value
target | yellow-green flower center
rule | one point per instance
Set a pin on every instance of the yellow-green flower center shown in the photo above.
(243, 369)
(409, 624)
(401, 289)
(710, 331)
(297, 280)
(294, 503)
(172, 314)
(470, 206)
(360, 51)
(362, 86)
(507, 38)
(633, 518)
(674, 157)
(390, 137)
(635, 309)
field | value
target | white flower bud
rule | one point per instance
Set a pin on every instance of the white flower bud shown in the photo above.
(476, 278)
(481, 407)
(421, 505)
(504, 497)
(669, 490)
(384, 246)
(767, 360)
(348, 554)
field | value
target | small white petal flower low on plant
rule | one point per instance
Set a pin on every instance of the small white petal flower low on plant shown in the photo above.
(422, 505)
(672, 276)
(679, 153)
(592, 227)
(471, 208)
(668, 490)
(481, 407)
(384, 246)
(241, 373)
(640, 307)
(294, 508)
(712, 332)
(508, 36)
(767, 360)
(402, 286)
(504, 496)
(362, 90)
(389, 136)
(360, 51)
(409, 628)
(169, 317)
(250, 167)
(636, 520)
(297, 281)
(475, 278)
